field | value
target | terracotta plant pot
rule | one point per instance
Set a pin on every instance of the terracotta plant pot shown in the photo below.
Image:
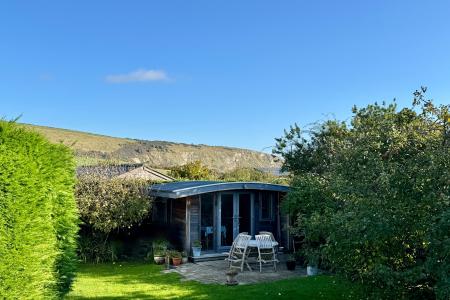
(176, 261)
(159, 260)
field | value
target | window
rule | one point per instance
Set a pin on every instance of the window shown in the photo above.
(265, 207)
(160, 211)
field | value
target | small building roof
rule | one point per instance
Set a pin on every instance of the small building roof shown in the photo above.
(125, 171)
(189, 188)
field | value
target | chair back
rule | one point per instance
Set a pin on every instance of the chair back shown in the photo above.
(241, 241)
(269, 233)
(264, 241)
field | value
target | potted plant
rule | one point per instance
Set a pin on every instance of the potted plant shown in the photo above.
(290, 262)
(312, 258)
(176, 257)
(159, 251)
(159, 257)
(196, 248)
(184, 257)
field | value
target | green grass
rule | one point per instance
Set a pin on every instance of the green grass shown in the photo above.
(145, 281)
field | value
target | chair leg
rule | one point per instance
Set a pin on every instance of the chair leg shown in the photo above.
(247, 254)
(260, 260)
(274, 258)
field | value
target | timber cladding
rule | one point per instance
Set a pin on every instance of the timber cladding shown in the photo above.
(193, 219)
(179, 218)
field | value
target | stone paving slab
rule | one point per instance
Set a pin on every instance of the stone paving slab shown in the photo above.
(209, 272)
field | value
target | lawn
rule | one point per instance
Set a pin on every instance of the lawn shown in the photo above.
(145, 281)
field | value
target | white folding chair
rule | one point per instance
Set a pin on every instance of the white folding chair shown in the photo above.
(232, 246)
(238, 252)
(266, 251)
(272, 237)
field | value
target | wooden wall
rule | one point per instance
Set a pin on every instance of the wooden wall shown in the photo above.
(178, 219)
(193, 219)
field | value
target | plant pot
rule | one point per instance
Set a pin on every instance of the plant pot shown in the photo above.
(231, 277)
(184, 260)
(290, 265)
(312, 270)
(159, 260)
(176, 261)
(196, 251)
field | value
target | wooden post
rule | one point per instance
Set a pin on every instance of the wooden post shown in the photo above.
(188, 225)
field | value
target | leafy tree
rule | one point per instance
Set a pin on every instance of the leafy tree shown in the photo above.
(193, 171)
(371, 197)
(310, 150)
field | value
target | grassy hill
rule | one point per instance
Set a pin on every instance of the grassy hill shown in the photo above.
(94, 149)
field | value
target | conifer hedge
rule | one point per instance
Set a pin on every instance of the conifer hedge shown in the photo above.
(38, 215)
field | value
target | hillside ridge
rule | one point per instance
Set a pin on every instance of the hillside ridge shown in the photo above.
(93, 148)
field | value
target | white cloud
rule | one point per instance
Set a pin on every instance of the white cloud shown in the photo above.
(140, 75)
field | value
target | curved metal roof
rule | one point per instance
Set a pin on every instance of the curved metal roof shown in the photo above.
(189, 188)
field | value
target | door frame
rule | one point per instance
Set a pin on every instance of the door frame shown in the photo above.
(218, 216)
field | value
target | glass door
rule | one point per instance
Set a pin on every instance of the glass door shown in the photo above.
(245, 217)
(207, 222)
(226, 219)
(234, 215)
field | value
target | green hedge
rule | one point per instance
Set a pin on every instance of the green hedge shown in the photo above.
(38, 215)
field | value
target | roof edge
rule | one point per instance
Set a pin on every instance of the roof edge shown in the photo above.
(161, 190)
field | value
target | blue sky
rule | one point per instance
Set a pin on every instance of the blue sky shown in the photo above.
(232, 73)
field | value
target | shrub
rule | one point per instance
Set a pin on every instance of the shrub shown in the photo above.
(192, 171)
(98, 248)
(38, 215)
(112, 204)
(109, 206)
(251, 174)
(372, 198)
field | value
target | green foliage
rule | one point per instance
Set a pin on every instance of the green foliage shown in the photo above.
(192, 171)
(159, 247)
(109, 206)
(251, 174)
(311, 150)
(175, 254)
(112, 204)
(438, 260)
(38, 215)
(96, 247)
(372, 198)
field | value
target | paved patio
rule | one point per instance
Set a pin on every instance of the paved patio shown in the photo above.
(214, 272)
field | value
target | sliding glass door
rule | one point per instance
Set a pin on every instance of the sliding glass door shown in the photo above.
(245, 216)
(207, 222)
(227, 215)
(234, 215)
